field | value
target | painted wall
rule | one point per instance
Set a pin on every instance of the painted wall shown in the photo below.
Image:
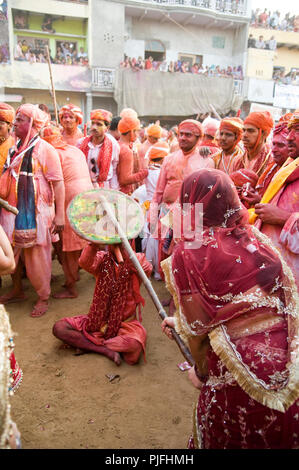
(260, 63)
(106, 30)
(52, 7)
(199, 41)
(69, 26)
(287, 58)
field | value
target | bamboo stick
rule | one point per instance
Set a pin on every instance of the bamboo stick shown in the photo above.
(52, 85)
(148, 285)
(8, 207)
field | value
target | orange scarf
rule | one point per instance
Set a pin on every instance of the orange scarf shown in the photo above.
(7, 144)
(104, 158)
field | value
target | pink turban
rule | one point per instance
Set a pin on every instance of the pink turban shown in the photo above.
(7, 113)
(39, 117)
(210, 126)
(71, 108)
(191, 125)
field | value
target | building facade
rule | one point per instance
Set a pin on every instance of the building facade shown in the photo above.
(87, 41)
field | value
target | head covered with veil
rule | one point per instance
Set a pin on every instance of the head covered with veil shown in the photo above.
(227, 259)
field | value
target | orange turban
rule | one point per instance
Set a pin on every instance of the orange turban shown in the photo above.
(71, 108)
(39, 117)
(7, 113)
(128, 112)
(127, 124)
(154, 131)
(101, 114)
(158, 150)
(232, 124)
(294, 119)
(52, 135)
(262, 120)
(243, 176)
(191, 125)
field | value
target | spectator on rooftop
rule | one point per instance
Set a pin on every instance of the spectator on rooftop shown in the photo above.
(260, 43)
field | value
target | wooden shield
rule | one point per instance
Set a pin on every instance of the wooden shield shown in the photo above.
(90, 221)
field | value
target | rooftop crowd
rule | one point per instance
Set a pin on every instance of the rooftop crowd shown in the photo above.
(274, 20)
(182, 67)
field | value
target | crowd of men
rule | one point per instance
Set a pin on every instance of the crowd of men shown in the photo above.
(44, 165)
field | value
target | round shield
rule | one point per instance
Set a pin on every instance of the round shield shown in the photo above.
(89, 219)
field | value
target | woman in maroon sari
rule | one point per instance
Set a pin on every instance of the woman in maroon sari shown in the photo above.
(237, 308)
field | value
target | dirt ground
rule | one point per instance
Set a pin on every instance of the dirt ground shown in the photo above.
(67, 402)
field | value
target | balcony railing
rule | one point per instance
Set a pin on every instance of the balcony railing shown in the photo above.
(103, 78)
(238, 86)
(232, 7)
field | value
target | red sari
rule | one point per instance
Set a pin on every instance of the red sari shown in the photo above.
(111, 320)
(236, 295)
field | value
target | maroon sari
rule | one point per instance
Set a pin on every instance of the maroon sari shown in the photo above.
(237, 295)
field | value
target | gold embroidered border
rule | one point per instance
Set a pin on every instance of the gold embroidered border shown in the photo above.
(170, 285)
(279, 400)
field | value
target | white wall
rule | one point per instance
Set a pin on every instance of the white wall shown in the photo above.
(134, 48)
(52, 7)
(197, 41)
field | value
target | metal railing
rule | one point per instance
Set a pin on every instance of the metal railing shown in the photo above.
(103, 78)
(234, 7)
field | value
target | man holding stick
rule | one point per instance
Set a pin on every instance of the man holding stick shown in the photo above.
(32, 179)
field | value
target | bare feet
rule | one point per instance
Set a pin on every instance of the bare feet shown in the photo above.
(117, 358)
(40, 308)
(12, 297)
(67, 293)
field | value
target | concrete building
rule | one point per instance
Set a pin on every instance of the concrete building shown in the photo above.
(206, 32)
(272, 76)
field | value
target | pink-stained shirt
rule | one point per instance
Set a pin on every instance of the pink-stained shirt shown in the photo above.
(176, 167)
(46, 169)
(76, 180)
(286, 238)
(72, 139)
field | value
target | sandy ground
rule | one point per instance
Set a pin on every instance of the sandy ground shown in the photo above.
(67, 402)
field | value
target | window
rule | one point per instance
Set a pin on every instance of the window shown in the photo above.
(218, 42)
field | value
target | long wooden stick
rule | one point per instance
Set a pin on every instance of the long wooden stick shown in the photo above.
(215, 112)
(185, 351)
(52, 84)
(8, 207)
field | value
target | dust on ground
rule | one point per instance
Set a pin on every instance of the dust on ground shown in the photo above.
(67, 401)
